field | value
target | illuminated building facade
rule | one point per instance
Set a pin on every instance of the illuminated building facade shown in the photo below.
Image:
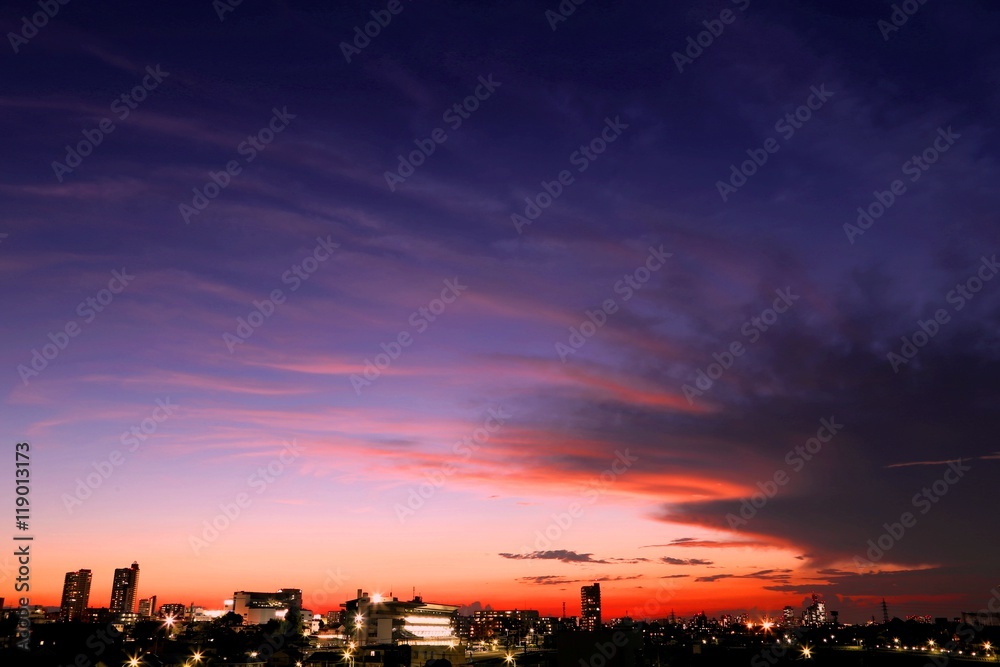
(173, 610)
(590, 607)
(147, 607)
(381, 620)
(75, 595)
(123, 589)
(815, 614)
(259, 608)
(512, 626)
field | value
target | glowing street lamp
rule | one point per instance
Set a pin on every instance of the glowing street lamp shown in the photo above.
(806, 652)
(359, 621)
(133, 661)
(509, 659)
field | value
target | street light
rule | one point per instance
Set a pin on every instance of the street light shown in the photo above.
(168, 623)
(806, 652)
(359, 620)
(509, 659)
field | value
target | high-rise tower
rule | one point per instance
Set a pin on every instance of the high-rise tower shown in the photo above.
(590, 607)
(124, 588)
(75, 595)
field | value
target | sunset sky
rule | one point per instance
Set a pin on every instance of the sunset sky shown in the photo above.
(244, 243)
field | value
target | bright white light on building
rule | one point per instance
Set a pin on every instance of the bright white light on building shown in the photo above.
(427, 620)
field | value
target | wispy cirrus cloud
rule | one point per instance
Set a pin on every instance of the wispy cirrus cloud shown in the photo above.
(669, 560)
(694, 543)
(556, 580)
(765, 575)
(559, 554)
